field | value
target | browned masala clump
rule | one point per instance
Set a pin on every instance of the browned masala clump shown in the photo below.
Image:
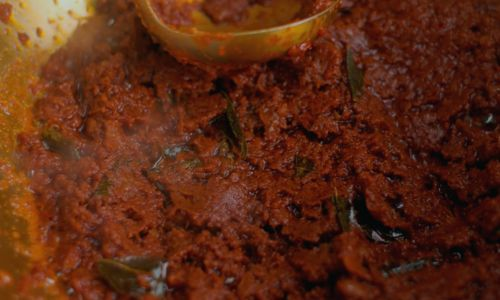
(416, 156)
(5, 12)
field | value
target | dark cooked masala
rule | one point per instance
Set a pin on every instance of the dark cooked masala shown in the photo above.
(363, 167)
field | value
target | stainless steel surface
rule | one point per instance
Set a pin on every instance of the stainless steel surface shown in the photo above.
(48, 24)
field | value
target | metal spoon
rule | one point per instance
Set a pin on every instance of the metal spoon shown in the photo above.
(199, 43)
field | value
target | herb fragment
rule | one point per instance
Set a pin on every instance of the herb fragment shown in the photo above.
(235, 126)
(373, 228)
(489, 119)
(303, 166)
(355, 76)
(224, 149)
(406, 268)
(173, 151)
(171, 98)
(136, 276)
(103, 187)
(342, 212)
(192, 163)
(157, 164)
(170, 153)
(384, 235)
(167, 199)
(54, 141)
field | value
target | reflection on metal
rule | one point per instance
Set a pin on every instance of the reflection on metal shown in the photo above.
(46, 24)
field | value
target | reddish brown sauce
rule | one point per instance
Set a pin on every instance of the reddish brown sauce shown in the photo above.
(5, 12)
(141, 167)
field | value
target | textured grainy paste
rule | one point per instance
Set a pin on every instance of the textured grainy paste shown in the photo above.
(311, 193)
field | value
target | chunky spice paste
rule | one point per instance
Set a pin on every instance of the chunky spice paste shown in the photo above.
(365, 166)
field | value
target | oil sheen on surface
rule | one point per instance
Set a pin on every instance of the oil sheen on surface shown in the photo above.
(392, 194)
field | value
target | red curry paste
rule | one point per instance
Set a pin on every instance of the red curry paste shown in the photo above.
(5, 12)
(391, 195)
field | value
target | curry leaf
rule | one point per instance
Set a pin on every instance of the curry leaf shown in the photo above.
(173, 151)
(373, 228)
(103, 187)
(120, 277)
(54, 141)
(167, 199)
(342, 212)
(406, 268)
(170, 153)
(303, 166)
(383, 234)
(156, 166)
(224, 148)
(171, 97)
(136, 276)
(192, 163)
(235, 126)
(355, 75)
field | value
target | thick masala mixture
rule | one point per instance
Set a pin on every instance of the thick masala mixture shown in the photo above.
(365, 166)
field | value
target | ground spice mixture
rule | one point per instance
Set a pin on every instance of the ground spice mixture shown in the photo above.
(273, 181)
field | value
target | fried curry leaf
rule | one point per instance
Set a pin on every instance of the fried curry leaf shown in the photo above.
(342, 212)
(234, 124)
(173, 151)
(489, 119)
(224, 148)
(170, 153)
(406, 268)
(355, 75)
(373, 228)
(156, 166)
(103, 187)
(167, 199)
(171, 97)
(54, 141)
(384, 235)
(192, 163)
(136, 276)
(120, 277)
(228, 143)
(303, 166)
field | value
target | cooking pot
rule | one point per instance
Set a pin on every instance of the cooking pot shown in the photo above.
(34, 29)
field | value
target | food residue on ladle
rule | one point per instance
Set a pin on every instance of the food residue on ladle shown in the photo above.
(238, 12)
(5, 12)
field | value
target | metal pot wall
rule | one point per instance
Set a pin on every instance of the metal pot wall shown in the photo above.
(30, 33)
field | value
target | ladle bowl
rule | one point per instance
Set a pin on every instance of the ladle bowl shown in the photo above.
(195, 43)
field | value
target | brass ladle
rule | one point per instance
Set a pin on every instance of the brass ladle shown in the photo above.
(269, 32)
